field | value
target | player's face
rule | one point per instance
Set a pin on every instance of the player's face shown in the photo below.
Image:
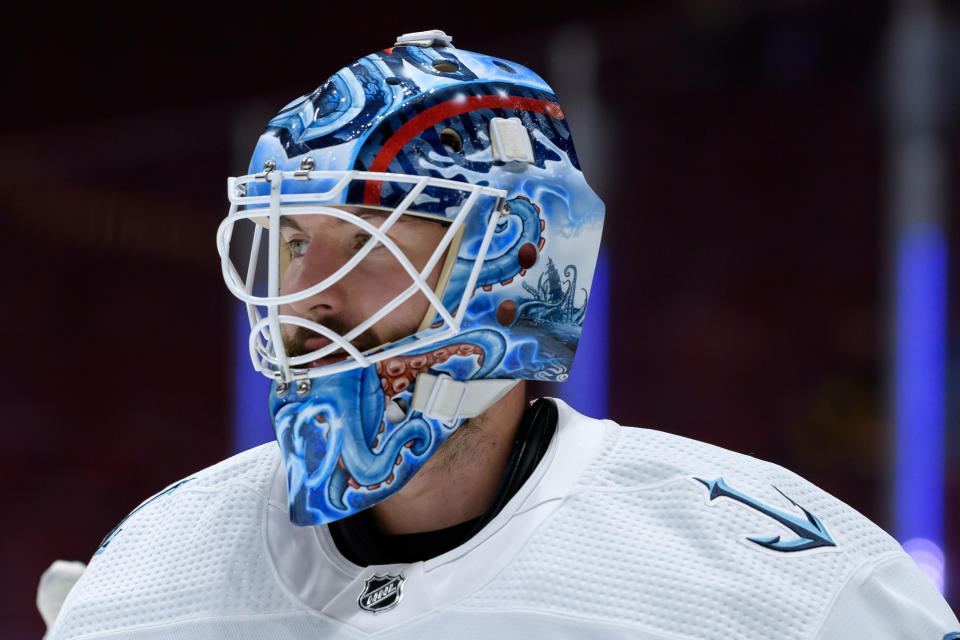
(319, 244)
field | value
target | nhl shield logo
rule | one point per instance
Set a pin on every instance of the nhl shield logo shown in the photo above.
(381, 593)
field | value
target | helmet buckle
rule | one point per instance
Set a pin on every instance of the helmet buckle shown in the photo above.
(300, 383)
(306, 166)
(431, 38)
(446, 399)
(510, 142)
(268, 167)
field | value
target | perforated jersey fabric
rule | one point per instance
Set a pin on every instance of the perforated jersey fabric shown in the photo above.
(193, 553)
(639, 543)
(613, 536)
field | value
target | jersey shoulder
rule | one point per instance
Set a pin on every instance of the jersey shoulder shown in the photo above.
(712, 478)
(660, 531)
(194, 550)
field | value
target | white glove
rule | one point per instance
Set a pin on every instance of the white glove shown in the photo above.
(55, 584)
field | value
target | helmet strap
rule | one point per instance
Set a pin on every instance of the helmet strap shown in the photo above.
(443, 398)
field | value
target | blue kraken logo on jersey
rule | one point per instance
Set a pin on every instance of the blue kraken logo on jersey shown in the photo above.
(811, 532)
(117, 529)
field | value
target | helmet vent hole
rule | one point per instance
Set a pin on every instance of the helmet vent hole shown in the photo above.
(451, 140)
(504, 66)
(446, 66)
(393, 80)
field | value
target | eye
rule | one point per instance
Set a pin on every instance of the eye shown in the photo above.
(298, 247)
(359, 239)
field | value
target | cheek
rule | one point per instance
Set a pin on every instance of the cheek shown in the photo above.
(369, 294)
(378, 287)
(298, 275)
(288, 283)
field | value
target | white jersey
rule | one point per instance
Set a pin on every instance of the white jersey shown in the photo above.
(618, 533)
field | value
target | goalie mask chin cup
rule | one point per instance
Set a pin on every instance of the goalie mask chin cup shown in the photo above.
(432, 131)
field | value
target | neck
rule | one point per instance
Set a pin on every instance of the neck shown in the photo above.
(458, 482)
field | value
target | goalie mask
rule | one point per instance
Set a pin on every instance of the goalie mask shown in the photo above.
(417, 235)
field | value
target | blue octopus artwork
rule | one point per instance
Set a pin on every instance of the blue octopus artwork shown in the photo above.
(342, 452)
(353, 438)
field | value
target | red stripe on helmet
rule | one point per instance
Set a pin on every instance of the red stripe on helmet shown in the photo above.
(443, 111)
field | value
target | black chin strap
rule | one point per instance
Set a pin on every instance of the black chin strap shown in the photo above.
(361, 542)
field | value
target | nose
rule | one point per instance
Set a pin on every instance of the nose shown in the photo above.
(318, 262)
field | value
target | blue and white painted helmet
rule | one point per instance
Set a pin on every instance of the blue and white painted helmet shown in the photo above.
(422, 129)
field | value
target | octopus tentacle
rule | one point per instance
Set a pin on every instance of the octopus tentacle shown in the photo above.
(536, 307)
(325, 454)
(368, 468)
(510, 262)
